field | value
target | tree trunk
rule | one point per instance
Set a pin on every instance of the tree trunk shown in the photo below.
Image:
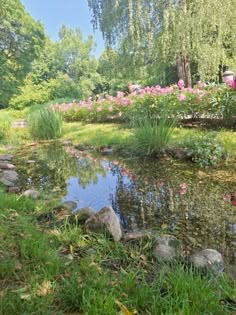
(183, 69)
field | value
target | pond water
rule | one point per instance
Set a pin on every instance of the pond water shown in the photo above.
(165, 195)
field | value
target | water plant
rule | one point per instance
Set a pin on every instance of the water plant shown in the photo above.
(45, 124)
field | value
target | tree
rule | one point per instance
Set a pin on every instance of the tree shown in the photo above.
(21, 39)
(187, 33)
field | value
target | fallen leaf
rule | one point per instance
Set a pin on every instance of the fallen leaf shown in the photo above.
(124, 310)
(44, 288)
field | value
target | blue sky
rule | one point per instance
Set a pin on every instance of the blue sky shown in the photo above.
(72, 13)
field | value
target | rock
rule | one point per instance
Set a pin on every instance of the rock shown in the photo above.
(82, 214)
(107, 151)
(6, 157)
(208, 259)
(70, 205)
(166, 248)
(105, 221)
(13, 190)
(133, 236)
(83, 147)
(6, 182)
(10, 175)
(19, 124)
(31, 193)
(31, 162)
(67, 143)
(7, 166)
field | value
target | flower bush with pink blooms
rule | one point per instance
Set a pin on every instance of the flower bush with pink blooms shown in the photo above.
(202, 101)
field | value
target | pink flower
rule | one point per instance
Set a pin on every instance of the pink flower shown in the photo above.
(232, 83)
(98, 109)
(110, 109)
(181, 97)
(182, 189)
(201, 84)
(180, 84)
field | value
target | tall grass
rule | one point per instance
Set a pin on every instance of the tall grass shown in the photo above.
(151, 134)
(45, 124)
(5, 125)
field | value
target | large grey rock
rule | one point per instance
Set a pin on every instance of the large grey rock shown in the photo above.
(105, 221)
(166, 248)
(70, 205)
(10, 175)
(208, 259)
(6, 182)
(6, 157)
(31, 193)
(82, 214)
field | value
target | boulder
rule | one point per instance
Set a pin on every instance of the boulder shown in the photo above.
(82, 214)
(6, 182)
(105, 221)
(31, 193)
(69, 205)
(13, 190)
(208, 259)
(166, 248)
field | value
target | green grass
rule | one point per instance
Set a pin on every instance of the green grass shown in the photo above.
(61, 270)
(45, 124)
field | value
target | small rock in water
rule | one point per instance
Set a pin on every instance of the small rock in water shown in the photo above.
(82, 214)
(166, 248)
(208, 259)
(31, 193)
(70, 205)
(105, 221)
(7, 166)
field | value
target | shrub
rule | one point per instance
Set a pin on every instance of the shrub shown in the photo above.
(205, 149)
(45, 124)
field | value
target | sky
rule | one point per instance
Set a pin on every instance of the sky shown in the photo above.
(72, 13)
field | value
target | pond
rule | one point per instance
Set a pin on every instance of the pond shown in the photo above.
(165, 195)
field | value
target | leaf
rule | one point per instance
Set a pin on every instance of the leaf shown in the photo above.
(124, 310)
(25, 296)
(45, 288)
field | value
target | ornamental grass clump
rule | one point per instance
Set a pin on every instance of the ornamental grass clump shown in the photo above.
(45, 124)
(152, 134)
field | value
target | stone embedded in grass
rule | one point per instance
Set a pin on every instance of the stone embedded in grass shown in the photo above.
(7, 166)
(6, 157)
(10, 175)
(13, 190)
(82, 214)
(105, 221)
(134, 236)
(31, 193)
(6, 182)
(166, 248)
(208, 259)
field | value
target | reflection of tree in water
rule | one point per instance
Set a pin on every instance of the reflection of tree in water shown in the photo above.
(52, 167)
(88, 170)
(200, 217)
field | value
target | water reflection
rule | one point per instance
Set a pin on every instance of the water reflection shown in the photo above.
(166, 195)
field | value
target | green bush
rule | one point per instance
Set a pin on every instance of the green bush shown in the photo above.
(45, 124)
(205, 149)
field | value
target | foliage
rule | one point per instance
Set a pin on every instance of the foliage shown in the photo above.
(205, 149)
(151, 134)
(45, 124)
(21, 39)
(159, 34)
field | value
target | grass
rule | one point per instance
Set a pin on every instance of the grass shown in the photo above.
(61, 270)
(45, 124)
(151, 135)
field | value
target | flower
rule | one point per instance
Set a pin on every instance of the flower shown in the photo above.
(98, 109)
(232, 83)
(180, 84)
(181, 97)
(110, 109)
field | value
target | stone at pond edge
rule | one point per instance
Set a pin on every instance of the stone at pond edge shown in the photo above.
(105, 221)
(6, 157)
(6, 182)
(133, 236)
(166, 248)
(82, 214)
(13, 190)
(10, 175)
(7, 166)
(31, 193)
(208, 259)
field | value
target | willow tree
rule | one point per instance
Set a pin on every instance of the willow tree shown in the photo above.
(180, 32)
